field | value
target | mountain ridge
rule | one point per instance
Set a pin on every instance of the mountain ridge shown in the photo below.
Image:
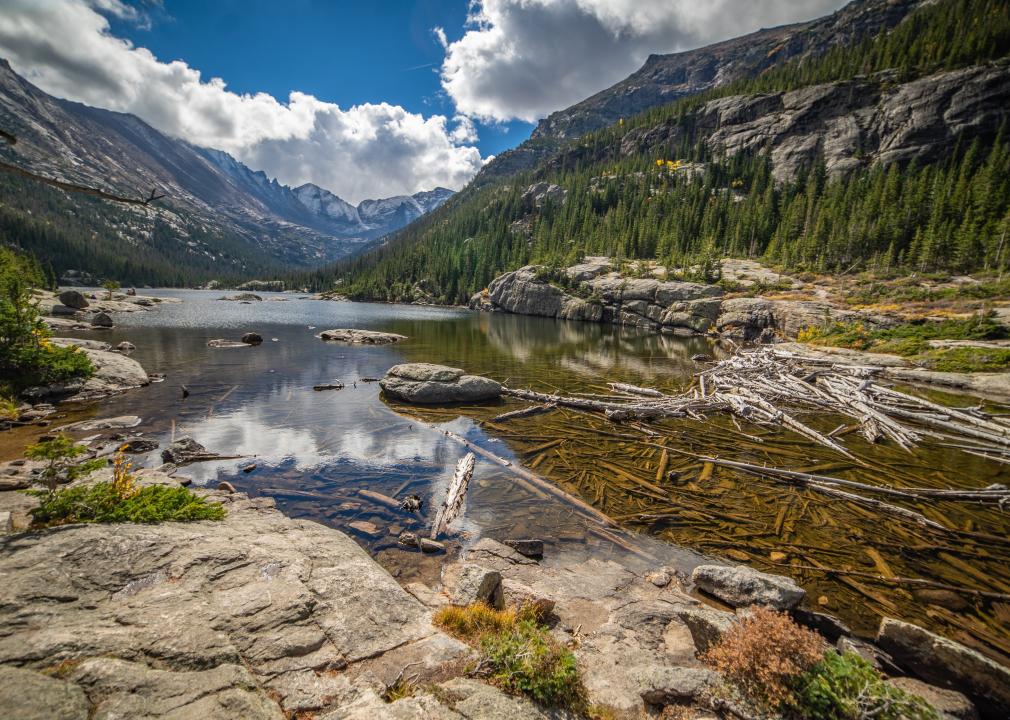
(208, 192)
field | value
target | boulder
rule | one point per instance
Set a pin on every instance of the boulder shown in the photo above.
(243, 297)
(102, 320)
(73, 299)
(741, 586)
(474, 584)
(186, 450)
(521, 292)
(114, 373)
(252, 338)
(361, 337)
(948, 664)
(77, 342)
(424, 383)
(518, 594)
(125, 347)
(706, 624)
(951, 704)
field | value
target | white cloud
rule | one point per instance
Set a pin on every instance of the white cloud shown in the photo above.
(372, 150)
(523, 59)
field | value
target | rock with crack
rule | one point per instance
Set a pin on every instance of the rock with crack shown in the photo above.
(427, 384)
(741, 586)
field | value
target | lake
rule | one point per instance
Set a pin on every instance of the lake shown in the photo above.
(314, 450)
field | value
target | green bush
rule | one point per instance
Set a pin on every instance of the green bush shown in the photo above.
(526, 659)
(847, 687)
(58, 454)
(102, 503)
(519, 655)
(27, 357)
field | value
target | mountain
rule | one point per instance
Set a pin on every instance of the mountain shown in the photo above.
(218, 217)
(665, 78)
(882, 144)
(371, 218)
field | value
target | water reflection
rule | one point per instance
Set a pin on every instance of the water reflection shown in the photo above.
(314, 450)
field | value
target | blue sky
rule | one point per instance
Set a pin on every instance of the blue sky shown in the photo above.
(342, 52)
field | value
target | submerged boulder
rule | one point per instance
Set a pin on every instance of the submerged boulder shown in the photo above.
(741, 586)
(424, 383)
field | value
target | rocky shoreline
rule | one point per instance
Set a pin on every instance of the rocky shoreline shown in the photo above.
(262, 616)
(597, 291)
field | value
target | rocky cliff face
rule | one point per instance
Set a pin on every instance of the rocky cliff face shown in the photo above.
(594, 292)
(850, 124)
(664, 78)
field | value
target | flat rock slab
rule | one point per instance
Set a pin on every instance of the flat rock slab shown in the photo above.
(741, 586)
(113, 423)
(223, 343)
(256, 616)
(360, 337)
(425, 383)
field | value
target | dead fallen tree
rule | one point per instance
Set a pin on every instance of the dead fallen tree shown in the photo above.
(450, 507)
(758, 385)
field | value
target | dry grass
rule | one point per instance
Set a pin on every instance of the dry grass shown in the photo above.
(763, 655)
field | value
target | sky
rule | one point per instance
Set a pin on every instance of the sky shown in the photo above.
(367, 99)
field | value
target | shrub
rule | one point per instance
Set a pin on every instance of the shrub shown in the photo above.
(27, 357)
(763, 655)
(101, 502)
(58, 454)
(847, 687)
(517, 653)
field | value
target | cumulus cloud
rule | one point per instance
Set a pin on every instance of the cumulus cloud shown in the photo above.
(371, 150)
(523, 59)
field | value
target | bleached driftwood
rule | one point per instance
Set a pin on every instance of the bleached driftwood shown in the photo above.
(450, 507)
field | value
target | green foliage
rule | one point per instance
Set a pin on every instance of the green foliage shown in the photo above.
(527, 660)
(519, 654)
(101, 503)
(847, 687)
(906, 338)
(58, 453)
(911, 340)
(27, 357)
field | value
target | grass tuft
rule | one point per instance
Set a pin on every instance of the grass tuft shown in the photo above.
(518, 654)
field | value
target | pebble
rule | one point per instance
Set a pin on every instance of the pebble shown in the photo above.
(365, 527)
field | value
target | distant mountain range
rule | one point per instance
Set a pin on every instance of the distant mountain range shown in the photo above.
(215, 206)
